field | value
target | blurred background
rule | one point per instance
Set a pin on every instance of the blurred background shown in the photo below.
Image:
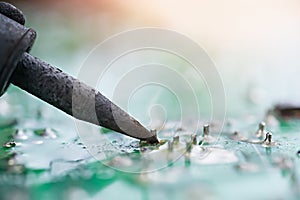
(254, 43)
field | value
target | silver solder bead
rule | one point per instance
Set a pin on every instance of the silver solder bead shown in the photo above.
(206, 130)
(170, 146)
(261, 129)
(268, 139)
(261, 126)
(176, 139)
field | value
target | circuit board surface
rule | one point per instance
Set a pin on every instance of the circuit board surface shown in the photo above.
(44, 158)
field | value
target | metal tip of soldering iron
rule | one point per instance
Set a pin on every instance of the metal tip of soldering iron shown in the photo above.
(131, 127)
(75, 98)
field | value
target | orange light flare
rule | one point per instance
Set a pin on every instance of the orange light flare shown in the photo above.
(230, 26)
(242, 22)
(259, 36)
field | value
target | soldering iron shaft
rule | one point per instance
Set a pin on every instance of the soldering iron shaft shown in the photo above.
(51, 84)
(74, 97)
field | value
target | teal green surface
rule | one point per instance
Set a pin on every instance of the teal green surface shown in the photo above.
(49, 161)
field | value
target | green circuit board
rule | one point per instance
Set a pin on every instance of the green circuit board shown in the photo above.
(44, 158)
(251, 154)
